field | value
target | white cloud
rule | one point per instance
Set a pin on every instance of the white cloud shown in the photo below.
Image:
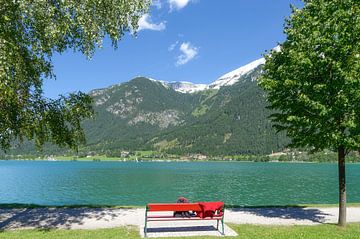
(146, 24)
(178, 4)
(188, 52)
(157, 4)
(172, 46)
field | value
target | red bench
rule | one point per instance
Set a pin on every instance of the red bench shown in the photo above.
(216, 213)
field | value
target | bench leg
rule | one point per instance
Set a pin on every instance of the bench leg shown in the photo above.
(145, 226)
(222, 222)
(145, 229)
(217, 225)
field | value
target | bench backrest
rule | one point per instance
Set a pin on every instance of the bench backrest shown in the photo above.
(156, 207)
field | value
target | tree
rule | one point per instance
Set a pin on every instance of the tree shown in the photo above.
(30, 33)
(313, 82)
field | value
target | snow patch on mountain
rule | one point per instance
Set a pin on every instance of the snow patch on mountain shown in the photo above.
(225, 80)
(182, 86)
(277, 48)
(187, 87)
(233, 76)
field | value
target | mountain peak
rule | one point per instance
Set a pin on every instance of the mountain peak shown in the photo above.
(233, 76)
(225, 80)
(189, 87)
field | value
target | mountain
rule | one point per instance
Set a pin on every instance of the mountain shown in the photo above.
(129, 114)
(226, 117)
(228, 121)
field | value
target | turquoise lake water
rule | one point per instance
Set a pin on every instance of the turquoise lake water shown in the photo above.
(130, 183)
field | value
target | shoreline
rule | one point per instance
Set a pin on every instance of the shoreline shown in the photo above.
(171, 161)
(227, 206)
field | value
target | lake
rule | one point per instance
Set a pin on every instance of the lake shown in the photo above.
(130, 183)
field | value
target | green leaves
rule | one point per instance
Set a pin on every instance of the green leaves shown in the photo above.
(30, 32)
(314, 81)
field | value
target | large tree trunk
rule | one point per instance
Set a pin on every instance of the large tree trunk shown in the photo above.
(342, 186)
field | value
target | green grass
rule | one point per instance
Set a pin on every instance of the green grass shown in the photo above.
(201, 110)
(124, 232)
(327, 231)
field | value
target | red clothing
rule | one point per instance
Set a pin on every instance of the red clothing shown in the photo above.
(209, 208)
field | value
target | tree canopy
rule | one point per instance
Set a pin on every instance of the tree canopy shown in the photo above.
(313, 82)
(30, 33)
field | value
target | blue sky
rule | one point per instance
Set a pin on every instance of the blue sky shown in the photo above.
(179, 40)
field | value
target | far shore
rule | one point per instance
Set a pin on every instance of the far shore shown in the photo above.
(102, 159)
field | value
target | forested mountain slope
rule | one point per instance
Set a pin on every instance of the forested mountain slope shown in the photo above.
(226, 117)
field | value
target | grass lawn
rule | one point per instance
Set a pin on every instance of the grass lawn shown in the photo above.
(352, 231)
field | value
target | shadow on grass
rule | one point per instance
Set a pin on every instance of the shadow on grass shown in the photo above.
(283, 212)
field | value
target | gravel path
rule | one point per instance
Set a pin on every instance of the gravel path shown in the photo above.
(94, 218)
